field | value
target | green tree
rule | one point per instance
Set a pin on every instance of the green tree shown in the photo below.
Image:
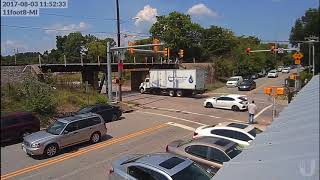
(306, 26)
(217, 41)
(178, 32)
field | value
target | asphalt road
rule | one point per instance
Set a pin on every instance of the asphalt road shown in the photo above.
(157, 121)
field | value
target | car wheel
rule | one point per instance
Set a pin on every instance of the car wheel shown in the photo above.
(51, 150)
(179, 93)
(235, 108)
(114, 117)
(172, 93)
(95, 137)
(209, 105)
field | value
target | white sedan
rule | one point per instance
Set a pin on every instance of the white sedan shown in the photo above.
(285, 70)
(234, 102)
(237, 132)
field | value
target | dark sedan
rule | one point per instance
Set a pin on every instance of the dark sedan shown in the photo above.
(108, 112)
(247, 85)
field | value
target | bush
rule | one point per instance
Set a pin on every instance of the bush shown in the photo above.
(100, 99)
(37, 96)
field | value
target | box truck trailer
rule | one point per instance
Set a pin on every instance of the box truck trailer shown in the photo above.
(175, 82)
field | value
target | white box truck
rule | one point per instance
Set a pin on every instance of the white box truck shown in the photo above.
(175, 82)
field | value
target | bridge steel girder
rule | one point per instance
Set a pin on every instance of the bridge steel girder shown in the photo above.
(102, 67)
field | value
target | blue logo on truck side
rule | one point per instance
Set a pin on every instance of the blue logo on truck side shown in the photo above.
(190, 79)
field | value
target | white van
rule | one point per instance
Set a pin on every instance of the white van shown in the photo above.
(234, 81)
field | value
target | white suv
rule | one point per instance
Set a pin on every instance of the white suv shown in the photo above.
(234, 81)
(273, 73)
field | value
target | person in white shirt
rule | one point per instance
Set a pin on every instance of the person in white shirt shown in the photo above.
(252, 108)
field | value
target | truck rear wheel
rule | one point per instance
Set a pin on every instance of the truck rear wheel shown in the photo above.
(179, 93)
(172, 93)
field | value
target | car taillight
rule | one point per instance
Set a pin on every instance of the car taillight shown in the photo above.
(111, 171)
(167, 148)
(195, 134)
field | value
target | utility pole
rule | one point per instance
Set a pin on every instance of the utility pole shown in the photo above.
(119, 60)
(15, 56)
(311, 41)
(109, 78)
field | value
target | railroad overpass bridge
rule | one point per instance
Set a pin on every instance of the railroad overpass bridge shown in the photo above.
(90, 71)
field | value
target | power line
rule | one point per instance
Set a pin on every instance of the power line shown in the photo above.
(81, 17)
(53, 29)
(140, 34)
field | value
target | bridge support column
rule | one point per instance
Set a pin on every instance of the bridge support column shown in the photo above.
(91, 77)
(137, 77)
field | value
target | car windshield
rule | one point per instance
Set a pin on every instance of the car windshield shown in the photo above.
(233, 79)
(56, 127)
(272, 71)
(246, 82)
(234, 151)
(192, 172)
(254, 132)
(85, 110)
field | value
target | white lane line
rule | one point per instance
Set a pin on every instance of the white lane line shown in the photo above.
(181, 126)
(182, 119)
(264, 109)
(188, 112)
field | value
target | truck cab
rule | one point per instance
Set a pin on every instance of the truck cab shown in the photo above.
(144, 86)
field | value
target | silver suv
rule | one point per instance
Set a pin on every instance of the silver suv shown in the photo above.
(162, 166)
(65, 132)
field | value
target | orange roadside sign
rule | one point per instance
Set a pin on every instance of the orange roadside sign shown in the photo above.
(297, 55)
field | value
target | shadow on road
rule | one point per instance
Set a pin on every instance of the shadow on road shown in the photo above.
(9, 143)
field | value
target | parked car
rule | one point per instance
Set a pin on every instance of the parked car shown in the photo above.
(262, 73)
(15, 126)
(65, 132)
(234, 102)
(234, 81)
(108, 112)
(156, 166)
(273, 73)
(255, 76)
(247, 85)
(239, 133)
(285, 70)
(280, 68)
(210, 152)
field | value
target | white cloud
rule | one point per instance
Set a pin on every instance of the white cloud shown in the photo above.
(10, 46)
(146, 15)
(201, 10)
(66, 29)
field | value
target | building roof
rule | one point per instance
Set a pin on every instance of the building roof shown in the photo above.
(288, 149)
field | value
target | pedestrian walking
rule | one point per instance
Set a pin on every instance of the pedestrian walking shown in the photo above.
(252, 108)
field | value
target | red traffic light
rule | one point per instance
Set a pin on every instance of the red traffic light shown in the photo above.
(248, 51)
(273, 51)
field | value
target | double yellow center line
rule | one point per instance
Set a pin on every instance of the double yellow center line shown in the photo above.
(83, 151)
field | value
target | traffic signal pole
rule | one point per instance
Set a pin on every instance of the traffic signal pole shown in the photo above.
(119, 60)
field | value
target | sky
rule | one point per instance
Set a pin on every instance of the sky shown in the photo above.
(265, 19)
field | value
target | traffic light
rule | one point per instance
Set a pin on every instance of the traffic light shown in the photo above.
(166, 52)
(248, 51)
(156, 48)
(131, 50)
(181, 53)
(273, 49)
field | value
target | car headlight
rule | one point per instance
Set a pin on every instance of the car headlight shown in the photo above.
(35, 145)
